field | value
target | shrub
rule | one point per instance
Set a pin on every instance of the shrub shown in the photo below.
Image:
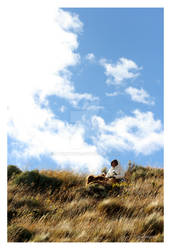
(18, 234)
(139, 172)
(38, 181)
(12, 171)
(143, 173)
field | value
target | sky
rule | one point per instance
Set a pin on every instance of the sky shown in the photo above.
(87, 87)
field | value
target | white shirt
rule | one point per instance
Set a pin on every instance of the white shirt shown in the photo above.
(116, 172)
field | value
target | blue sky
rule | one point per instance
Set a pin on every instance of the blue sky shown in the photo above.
(94, 90)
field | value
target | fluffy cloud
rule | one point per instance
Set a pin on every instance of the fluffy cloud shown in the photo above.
(44, 46)
(122, 70)
(68, 20)
(62, 142)
(90, 57)
(139, 133)
(139, 95)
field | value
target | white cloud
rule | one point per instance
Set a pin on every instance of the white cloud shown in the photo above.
(41, 51)
(112, 94)
(65, 89)
(42, 48)
(62, 142)
(62, 109)
(90, 57)
(139, 133)
(139, 95)
(68, 20)
(122, 70)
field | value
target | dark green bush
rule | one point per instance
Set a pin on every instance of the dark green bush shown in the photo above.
(37, 181)
(12, 171)
(18, 234)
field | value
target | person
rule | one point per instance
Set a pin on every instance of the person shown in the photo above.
(116, 171)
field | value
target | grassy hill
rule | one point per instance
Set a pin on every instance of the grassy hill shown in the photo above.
(57, 206)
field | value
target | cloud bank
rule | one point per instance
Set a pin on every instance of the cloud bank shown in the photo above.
(44, 46)
(139, 133)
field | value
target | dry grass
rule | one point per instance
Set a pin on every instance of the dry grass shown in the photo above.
(57, 206)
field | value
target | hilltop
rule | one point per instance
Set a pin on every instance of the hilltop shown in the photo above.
(57, 206)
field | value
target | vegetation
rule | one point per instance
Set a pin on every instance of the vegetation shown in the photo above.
(58, 206)
(20, 234)
(35, 180)
(12, 171)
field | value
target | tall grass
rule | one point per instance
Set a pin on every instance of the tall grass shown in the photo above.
(57, 206)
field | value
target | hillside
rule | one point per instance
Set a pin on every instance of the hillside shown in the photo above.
(57, 206)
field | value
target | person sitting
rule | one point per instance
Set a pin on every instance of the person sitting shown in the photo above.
(116, 171)
(115, 174)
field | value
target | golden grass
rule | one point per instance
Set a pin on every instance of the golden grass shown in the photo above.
(73, 212)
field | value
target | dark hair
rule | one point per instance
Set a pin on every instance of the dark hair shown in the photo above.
(114, 161)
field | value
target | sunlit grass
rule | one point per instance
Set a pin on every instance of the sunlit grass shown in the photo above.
(57, 206)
